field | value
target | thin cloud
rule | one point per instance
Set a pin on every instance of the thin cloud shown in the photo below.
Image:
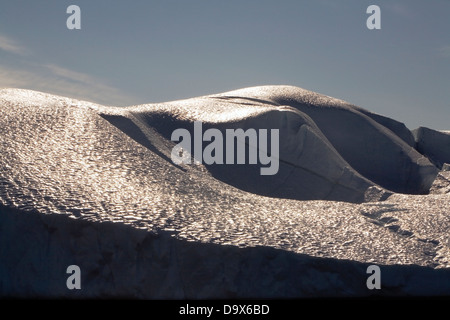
(9, 45)
(54, 79)
(72, 75)
(61, 81)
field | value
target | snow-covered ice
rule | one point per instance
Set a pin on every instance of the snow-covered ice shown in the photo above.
(434, 144)
(94, 186)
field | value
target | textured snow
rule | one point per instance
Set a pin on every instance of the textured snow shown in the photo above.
(94, 186)
(344, 143)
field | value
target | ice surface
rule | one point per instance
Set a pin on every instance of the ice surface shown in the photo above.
(94, 186)
(434, 144)
(327, 145)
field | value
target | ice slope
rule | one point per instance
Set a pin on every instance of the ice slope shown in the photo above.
(379, 148)
(75, 189)
(326, 143)
(121, 260)
(310, 168)
(434, 144)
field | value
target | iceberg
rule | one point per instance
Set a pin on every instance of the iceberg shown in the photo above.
(94, 186)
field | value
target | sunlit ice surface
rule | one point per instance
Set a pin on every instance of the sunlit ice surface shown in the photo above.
(60, 156)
